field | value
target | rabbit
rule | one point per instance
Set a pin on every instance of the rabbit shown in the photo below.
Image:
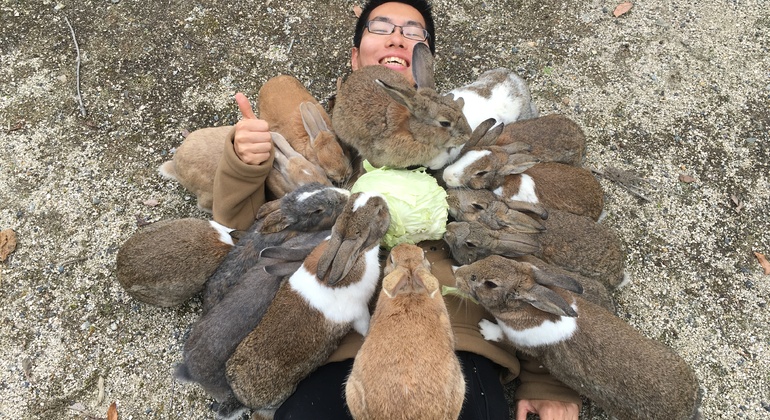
(410, 314)
(309, 208)
(291, 169)
(575, 243)
(553, 138)
(466, 205)
(167, 262)
(500, 94)
(291, 111)
(581, 344)
(556, 185)
(221, 328)
(313, 309)
(391, 124)
(195, 163)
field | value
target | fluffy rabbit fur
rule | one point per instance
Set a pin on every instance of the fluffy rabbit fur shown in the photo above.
(167, 262)
(500, 94)
(556, 185)
(391, 124)
(552, 138)
(575, 243)
(291, 111)
(390, 380)
(195, 163)
(581, 344)
(309, 208)
(313, 309)
(467, 205)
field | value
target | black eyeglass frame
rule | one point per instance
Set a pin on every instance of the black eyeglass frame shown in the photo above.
(426, 34)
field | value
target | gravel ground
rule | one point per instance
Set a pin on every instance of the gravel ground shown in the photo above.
(675, 92)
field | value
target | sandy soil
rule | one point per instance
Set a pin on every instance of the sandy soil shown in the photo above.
(675, 92)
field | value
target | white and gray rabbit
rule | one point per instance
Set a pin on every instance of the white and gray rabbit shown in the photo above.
(167, 262)
(500, 94)
(581, 344)
(390, 123)
(313, 309)
(407, 367)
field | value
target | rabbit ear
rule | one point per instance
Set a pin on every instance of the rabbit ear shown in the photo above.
(312, 120)
(395, 282)
(546, 300)
(556, 280)
(274, 222)
(516, 147)
(518, 163)
(515, 244)
(286, 254)
(482, 136)
(403, 96)
(535, 208)
(283, 269)
(422, 66)
(338, 258)
(283, 145)
(268, 208)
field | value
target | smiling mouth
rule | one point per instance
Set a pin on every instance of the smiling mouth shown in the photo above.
(393, 61)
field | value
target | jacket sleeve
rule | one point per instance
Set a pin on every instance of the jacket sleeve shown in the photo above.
(538, 384)
(239, 188)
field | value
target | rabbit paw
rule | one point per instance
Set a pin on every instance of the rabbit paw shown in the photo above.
(490, 331)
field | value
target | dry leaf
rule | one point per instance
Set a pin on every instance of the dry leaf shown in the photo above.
(737, 202)
(763, 262)
(686, 179)
(151, 202)
(7, 243)
(357, 11)
(112, 412)
(622, 8)
(185, 132)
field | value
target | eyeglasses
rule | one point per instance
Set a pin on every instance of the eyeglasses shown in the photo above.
(381, 27)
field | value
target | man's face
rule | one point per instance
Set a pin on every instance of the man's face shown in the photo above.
(393, 51)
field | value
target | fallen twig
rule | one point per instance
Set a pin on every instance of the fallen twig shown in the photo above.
(77, 68)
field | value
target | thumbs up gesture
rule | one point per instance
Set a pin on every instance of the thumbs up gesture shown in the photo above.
(251, 141)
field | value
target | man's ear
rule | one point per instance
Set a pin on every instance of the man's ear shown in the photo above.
(354, 58)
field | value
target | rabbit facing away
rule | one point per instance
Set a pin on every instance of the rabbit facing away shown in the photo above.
(389, 123)
(291, 169)
(575, 243)
(581, 344)
(195, 163)
(309, 208)
(555, 185)
(389, 379)
(500, 94)
(313, 309)
(167, 262)
(290, 110)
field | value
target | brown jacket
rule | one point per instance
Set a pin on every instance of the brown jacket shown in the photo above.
(239, 191)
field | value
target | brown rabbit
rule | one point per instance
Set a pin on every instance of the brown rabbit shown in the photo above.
(313, 309)
(391, 124)
(195, 163)
(290, 110)
(290, 169)
(581, 344)
(167, 262)
(390, 380)
(553, 138)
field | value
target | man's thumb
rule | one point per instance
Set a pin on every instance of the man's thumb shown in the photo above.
(245, 106)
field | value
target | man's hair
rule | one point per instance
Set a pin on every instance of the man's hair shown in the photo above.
(422, 6)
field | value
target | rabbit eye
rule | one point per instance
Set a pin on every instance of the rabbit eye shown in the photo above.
(445, 124)
(477, 206)
(490, 285)
(473, 277)
(481, 173)
(316, 211)
(470, 244)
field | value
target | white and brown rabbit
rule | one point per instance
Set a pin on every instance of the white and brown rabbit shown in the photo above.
(167, 262)
(407, 367)
(291, 111)
(313, 309)
(391, 124)
(555, 185)
(500, 94)
(581, 344)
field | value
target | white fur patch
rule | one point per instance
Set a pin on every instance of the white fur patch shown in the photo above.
(453, 174)
(363, 199)
(526, 190)
(224, 232)
(547, 333)
(490, 331)
(341, 304)
(439, 161)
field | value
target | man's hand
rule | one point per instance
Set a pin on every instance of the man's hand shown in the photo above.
(251, 141)
(547, 410)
